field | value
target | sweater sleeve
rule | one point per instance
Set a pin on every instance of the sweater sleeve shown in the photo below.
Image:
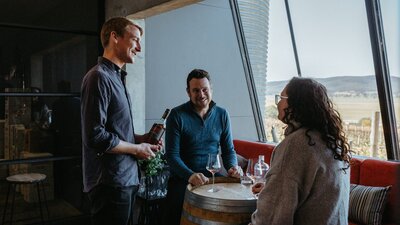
(279, 199)
(172, 147)
(277, 202)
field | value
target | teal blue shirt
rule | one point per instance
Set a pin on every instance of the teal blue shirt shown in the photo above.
(189, 139)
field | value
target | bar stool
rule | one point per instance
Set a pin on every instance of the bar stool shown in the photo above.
(25, 178)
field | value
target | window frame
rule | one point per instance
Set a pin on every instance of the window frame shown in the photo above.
(381, 67)
(382, 75)
(258, 119)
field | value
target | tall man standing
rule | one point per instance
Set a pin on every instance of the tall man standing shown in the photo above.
(110, 146)
(195, 129)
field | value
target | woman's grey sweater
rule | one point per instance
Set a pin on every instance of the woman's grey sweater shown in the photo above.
(304, 186)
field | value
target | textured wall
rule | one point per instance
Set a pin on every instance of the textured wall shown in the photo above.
(201, 35)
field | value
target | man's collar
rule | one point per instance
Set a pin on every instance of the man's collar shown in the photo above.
(210, 106)
(112, 65)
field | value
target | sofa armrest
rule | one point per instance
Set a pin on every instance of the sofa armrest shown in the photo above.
(355, 170)
(381, 173)
(252, 149)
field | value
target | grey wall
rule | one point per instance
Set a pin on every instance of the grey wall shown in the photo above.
(201, 35)
(135, 81)
(136, 85)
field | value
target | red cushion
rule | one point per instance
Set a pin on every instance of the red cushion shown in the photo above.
(355, 170)
(251, 149)
(351, 223)
(380, 173)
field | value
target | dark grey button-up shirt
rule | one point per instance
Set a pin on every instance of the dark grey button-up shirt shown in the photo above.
(106, 119)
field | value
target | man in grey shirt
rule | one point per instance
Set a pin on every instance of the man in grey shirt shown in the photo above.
(110, 146)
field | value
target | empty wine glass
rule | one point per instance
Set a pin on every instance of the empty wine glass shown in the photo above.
(213, 165)
(250, 173)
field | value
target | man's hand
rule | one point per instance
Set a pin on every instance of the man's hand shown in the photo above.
(235, 171)
(161, 142)
(256, 188)
(198, 179)
(140, 151)
(143, 138)
(146, 151)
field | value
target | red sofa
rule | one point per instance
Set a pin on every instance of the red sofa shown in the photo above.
(367, 172)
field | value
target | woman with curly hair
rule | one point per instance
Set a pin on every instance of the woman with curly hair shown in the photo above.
(308, 182)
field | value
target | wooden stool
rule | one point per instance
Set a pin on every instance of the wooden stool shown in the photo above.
(25, 178)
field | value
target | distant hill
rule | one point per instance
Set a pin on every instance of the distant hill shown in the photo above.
(359, 85)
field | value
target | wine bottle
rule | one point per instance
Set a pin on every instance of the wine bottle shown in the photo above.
(260, 169)
(157, 130)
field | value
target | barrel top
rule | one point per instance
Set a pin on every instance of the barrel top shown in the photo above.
(228, 191)
(232, 197)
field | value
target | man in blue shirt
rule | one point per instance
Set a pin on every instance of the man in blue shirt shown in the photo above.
(110, 146)
(195, 129)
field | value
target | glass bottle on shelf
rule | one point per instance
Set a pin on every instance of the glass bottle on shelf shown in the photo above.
(260, 169)
(158, 128)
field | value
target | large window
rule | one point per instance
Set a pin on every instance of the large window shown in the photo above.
(333, 45)
(391, 26)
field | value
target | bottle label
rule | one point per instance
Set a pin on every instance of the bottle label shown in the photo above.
(157, 130)
(156, 133)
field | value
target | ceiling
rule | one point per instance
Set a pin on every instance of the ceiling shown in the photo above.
(30, 26)
(50, 14)
(81, 15)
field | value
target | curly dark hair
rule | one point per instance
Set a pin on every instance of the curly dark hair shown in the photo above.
(309, 105)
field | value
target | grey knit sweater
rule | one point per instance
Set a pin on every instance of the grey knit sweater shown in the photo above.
(305, 185)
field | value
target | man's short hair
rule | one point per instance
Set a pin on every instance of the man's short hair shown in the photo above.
(197, 74)
(117, 24)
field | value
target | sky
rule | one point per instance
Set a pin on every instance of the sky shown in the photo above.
(332, 38)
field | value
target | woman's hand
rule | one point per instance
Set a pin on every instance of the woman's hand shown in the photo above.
(256, 188)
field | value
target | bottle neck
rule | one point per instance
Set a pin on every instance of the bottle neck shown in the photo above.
(164, 117)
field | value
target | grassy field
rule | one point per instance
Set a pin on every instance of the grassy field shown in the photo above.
(352, 110)
(355, 108)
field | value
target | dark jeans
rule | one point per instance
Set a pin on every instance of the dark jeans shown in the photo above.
(112, 205)
(174, 201)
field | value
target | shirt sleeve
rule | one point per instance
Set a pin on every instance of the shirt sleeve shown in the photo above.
(172, 147)
(95, 95)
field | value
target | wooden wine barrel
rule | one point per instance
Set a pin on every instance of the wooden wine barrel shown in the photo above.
(232, 204)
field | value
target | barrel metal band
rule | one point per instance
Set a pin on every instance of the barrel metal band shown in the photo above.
(200, 221)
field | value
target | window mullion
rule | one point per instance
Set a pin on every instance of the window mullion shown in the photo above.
(382, 75)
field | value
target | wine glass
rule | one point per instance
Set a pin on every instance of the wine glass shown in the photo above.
(213, 165)
(250, 173)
